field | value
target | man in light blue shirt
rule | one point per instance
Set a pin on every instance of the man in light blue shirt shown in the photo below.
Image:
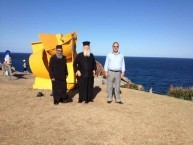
(114, 70)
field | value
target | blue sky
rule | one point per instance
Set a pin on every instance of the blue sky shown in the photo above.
(148, 28)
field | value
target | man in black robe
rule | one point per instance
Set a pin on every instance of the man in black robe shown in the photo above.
(85, 67)
(58, 74)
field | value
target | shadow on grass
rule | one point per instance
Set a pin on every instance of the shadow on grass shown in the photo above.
(71, 93)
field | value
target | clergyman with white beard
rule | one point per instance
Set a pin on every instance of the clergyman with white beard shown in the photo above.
(85, 68)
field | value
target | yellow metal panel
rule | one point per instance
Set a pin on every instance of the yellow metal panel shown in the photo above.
(39, 64)
(71, 76)
(41, 83)
(37, 46)
(49, 41)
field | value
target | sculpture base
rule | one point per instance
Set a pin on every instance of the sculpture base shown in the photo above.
(41, 83)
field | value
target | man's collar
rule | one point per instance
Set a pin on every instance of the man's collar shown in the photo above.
(115, 53)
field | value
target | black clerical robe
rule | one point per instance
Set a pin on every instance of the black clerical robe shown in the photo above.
(86, 66)
(58, 71)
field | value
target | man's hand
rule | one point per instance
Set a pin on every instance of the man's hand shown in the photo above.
(78, 73)
(94, 73)
(53, 79)
(106, 74)
(122, 74)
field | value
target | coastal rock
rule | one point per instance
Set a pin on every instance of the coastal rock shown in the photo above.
(100, 80)
(131, 85)
(124, 81)
(140, 88)
(100, 70)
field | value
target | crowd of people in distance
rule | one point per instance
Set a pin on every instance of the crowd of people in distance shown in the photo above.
(7, 65)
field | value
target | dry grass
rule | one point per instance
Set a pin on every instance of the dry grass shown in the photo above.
(143, 119)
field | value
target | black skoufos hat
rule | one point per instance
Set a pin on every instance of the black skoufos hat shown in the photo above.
(58, 46)
(86, 43)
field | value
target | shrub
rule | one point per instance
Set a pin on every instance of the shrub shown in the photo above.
(178, 92)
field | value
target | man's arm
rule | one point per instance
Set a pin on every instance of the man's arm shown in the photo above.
(76, 67)
(75, 63)
(106, 66)
(66, 68)
(94, 67)
(123, 68)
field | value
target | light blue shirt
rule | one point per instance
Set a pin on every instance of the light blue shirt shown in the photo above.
(115, 62)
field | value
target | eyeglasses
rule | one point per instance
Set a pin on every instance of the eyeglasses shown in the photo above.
(59, 50)
(115, 46)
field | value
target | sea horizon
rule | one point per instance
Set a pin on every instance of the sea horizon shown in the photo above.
(156, 72)
(124, 55)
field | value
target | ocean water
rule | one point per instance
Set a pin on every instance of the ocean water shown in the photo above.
(158, 73)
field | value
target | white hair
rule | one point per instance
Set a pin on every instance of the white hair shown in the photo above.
(86, 53)
(59, 55)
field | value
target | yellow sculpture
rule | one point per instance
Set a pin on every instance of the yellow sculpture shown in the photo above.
(43, 50)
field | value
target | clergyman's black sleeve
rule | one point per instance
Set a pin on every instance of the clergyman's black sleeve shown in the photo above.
(75, 64)
(51, 68)
(94, 63)
(66, 69)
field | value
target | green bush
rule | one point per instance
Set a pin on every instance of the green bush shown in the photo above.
(180, 92)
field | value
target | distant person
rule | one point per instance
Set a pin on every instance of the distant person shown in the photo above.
(6, 62)
(151, 90)
(7, 66)
(114, 69)
(85, 68)
(58, 74)
(7, 54)
(25, 66)
(10, 63)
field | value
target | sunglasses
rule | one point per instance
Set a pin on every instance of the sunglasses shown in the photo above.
(59, 50)
(115, 46)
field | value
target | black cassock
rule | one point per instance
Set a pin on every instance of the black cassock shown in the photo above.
(58, 70)
(86, 66)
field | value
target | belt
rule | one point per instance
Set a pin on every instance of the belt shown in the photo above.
(114, 70)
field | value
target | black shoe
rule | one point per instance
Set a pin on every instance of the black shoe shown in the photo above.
(109, 102)
(86, 102)
(64, 101)
(56, 103)
(79, 101)
(119, 102)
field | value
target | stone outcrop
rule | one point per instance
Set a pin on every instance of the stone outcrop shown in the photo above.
(100, 70)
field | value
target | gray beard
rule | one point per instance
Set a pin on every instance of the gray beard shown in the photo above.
(58, 55)
(86, 53)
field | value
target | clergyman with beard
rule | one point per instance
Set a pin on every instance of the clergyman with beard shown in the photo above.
(85, 68)
(58, 73)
